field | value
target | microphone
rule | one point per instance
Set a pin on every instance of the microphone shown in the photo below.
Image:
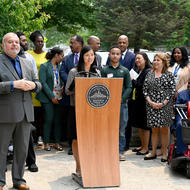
(94, 67)
(88, 73)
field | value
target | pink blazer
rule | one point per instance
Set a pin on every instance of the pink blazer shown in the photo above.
(184, 77)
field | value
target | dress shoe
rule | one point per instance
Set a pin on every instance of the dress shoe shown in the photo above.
(70, 152)
(33, 168)
(47, 147)
(150, 157)
(21, 187)
(164, 160)
(136, 149)
(140, 153)
(1, 188)
(58, 147)
(77, 178)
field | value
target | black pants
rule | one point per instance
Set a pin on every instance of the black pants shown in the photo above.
(31, 157)
(128, 131)
(38, 123)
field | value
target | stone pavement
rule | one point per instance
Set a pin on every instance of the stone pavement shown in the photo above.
(55, 170)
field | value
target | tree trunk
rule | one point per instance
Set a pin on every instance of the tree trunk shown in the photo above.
(137, 42)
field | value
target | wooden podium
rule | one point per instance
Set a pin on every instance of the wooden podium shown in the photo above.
(98, 103)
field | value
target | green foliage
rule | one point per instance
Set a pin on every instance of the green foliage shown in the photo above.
(69, 16)
(63, 18)
(22, 15)
(147, 23)
(55, 37)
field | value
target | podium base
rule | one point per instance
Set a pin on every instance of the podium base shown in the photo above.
(77, 179)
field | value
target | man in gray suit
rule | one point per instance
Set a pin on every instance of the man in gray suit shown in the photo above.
(94, 42)
(17, 80)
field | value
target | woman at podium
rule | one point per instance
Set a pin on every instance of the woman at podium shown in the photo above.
(86, 68)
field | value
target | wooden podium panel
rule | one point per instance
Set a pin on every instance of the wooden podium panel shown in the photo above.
(98, 133)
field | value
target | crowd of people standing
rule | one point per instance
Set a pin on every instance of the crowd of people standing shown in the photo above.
(148, 94)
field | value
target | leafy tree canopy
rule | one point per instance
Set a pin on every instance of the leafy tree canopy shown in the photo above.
(69, 16)
(22, 15)
(147, 23)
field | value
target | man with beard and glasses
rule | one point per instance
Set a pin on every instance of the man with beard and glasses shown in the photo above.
(17, 81)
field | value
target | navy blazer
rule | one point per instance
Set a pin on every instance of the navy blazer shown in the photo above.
(128, 61)
(66, 66)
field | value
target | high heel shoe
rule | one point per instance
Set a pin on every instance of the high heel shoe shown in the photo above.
(150, 157)
(164, 160)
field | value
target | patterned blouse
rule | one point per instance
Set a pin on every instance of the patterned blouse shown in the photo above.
(159, 89)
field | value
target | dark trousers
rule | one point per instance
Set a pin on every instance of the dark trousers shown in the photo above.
(31, 157)
(64, 122)
(128, 130)
(38, 115)
(52, 119)
(20, 133)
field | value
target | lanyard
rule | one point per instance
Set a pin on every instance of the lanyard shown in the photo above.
(176, 70)
(56, 73)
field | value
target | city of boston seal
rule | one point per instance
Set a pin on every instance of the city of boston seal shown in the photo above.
(98, 95)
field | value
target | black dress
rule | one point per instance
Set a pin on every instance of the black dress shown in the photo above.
(159, 89)
(72, 131)
(139, 102)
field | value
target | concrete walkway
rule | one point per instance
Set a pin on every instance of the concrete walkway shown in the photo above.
(55, 170)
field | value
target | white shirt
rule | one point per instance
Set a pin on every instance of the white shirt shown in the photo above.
(30, 57)
(123, 54)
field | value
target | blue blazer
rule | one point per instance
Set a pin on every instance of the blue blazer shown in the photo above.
(128, 61)
(66, 66)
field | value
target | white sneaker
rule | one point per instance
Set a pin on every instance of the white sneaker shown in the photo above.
(10, 148)
(122, 157)
(40, 142)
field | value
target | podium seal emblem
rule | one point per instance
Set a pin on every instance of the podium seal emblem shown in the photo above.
(98, 95)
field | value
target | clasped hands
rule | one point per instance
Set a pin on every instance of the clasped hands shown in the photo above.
(24, 84)
(156, 105)
(55, 100)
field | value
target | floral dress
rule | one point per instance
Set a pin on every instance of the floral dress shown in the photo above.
(159, 89)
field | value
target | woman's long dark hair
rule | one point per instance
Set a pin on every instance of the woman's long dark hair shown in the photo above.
(80, 66)
(147, 60)
(184, 61)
